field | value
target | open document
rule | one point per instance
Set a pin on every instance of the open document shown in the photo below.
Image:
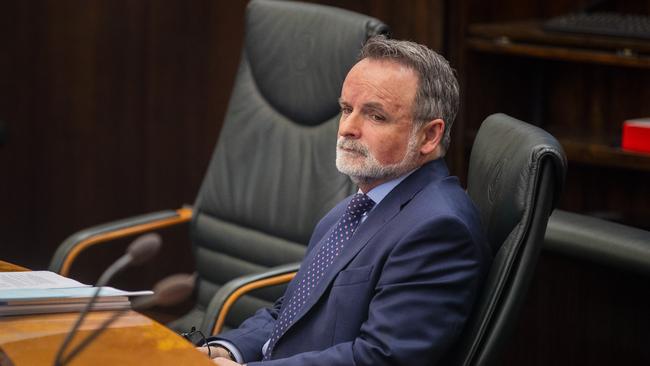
(36, 279)
(47, 292)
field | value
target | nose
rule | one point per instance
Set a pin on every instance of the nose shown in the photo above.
(350, 125)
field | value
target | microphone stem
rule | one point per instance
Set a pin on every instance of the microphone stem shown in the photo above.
(103, 279)
(137, 304)
(80, 347)
(122, 262)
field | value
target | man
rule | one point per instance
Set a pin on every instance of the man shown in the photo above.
(391, 273)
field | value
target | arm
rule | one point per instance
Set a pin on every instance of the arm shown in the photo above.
(223, 300)
(256, 330)
(420, 304)
(253, 332)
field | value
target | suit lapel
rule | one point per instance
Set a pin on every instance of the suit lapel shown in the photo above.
(390, 206)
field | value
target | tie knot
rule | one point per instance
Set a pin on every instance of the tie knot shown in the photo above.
(359, 205)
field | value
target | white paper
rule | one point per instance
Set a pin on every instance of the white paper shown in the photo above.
(64, 293)
(36, 280)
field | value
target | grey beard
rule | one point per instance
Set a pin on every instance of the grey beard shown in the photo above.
(371, 169)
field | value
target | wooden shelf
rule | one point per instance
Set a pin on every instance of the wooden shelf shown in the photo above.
(603, 155)
(592, 152)
(528, 39)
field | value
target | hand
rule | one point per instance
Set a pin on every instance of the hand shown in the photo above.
(225, 362)
(216, 352)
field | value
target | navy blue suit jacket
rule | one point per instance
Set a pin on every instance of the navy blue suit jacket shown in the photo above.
(401, 289)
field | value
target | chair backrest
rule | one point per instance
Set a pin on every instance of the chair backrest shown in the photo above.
(516, 174)
(272, 175)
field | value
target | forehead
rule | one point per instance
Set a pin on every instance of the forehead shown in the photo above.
(380, 81)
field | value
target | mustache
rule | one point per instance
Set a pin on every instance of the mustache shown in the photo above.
(352, 145)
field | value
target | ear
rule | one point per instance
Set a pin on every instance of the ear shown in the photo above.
(432, 133)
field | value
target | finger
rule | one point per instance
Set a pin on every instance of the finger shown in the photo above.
(203, 350)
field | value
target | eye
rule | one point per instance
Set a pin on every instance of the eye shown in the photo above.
(377, 117)
(346, 109)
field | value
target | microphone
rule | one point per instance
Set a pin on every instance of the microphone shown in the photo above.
(169, 291)
(139, 251)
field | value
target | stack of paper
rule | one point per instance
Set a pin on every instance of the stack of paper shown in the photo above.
(39, 292)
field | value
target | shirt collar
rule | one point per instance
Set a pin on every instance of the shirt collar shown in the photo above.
(380, 192)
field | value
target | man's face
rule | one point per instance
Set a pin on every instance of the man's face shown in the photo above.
(376, 138)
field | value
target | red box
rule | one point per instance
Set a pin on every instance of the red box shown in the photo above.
(636, 135)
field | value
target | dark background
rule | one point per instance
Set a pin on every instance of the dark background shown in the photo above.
(110, 109)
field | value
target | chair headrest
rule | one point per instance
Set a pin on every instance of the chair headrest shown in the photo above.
(506, 158)
(309, 69)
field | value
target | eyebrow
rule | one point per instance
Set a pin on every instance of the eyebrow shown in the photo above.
(374, 105)
(369, 105)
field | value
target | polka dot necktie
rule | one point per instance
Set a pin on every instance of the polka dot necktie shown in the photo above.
(328, 251)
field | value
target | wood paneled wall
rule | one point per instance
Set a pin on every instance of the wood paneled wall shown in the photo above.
(111, 109)
(579, 313)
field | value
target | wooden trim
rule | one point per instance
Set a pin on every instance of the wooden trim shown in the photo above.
(244, 290)
(184, 215)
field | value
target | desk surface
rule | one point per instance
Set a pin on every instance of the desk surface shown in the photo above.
(132, 340)
(10, 267)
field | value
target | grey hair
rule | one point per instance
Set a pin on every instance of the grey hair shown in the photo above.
(437, 95)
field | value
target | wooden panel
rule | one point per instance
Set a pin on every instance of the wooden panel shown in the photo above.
(615, 194)
(580, 313)
(421, 21)
(111, 109)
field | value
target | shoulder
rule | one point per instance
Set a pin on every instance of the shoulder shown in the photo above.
(442, 214)
(444, 200)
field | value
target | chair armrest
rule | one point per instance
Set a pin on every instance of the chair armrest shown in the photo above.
(230, 292)
(584, 237)
(71, 247)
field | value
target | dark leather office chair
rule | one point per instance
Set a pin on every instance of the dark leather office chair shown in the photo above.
(516, 174)
(272, 174)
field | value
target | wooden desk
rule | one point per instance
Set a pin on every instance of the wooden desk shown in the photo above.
(10, 267)
(133, 340)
